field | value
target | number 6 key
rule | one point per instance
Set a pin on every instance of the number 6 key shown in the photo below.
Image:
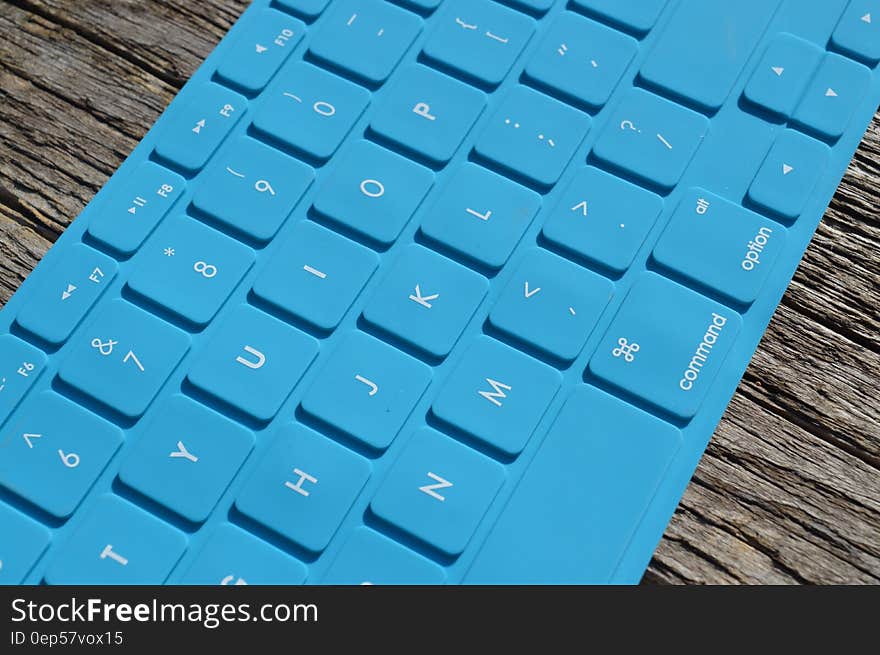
(190, 269)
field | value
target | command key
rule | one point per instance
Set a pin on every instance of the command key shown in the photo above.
(665, 345)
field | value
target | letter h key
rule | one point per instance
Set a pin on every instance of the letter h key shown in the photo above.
(298, 486)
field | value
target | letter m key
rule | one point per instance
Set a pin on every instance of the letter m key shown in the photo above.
(497, 394)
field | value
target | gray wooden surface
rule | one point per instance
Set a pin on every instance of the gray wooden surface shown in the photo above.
(789, 489)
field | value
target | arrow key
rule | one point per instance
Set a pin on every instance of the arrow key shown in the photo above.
(67, 293)
(858, 32)
(788, 175)
(551, 304)
(784, 72)
(832, 97)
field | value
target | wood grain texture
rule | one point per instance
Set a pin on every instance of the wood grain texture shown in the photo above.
(789, 489)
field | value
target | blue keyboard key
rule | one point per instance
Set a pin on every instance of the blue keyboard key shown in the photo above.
(116, 543)
(427, 113)
(603, 219)
(376, 384)
(481, 215)
(194, 131)
(651, 138)
(231, 556)
(497, 395)
(252, 188)
(719, 36)
(665, 345)
(53, 451)
(438, 491)
(858, 32)
(373, 191)
(252, 362)
(190, 269)
(637, 16)
(551, 304)
(423, 6)
(368, 558)
(20, 366)
(533, 135)
(579, 502)
(478, 39)
(316, 275)
(581, 60)
(18, 555)
(532, 6)
(832, 97)
(366, 38)
(782, 75)
(719, 245)
(788, 175)
(134, 209)
(310, 110)
(309, 9)
(259, 50)
(66, 294)
(426, 300)
(186, 457)
(303, 487)
(123, 357)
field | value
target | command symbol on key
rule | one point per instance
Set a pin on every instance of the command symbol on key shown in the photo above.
(626, 350)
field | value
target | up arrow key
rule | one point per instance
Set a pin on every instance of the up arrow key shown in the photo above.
(530, 292)
(830, 93)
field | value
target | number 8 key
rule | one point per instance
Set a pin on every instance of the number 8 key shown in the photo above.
(190, 269)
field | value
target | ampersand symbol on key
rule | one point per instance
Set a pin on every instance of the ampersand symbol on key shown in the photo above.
(104, 348)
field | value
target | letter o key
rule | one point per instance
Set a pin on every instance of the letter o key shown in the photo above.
(324, 108)
(372, 188)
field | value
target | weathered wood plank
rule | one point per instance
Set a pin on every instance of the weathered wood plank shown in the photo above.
(788, 490)
(167, 38)
(841, 263)
(20, 248)
(69, 115)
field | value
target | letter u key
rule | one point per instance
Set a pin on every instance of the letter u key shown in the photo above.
(258, 363)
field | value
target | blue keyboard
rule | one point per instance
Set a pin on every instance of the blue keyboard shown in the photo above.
(423, 292)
